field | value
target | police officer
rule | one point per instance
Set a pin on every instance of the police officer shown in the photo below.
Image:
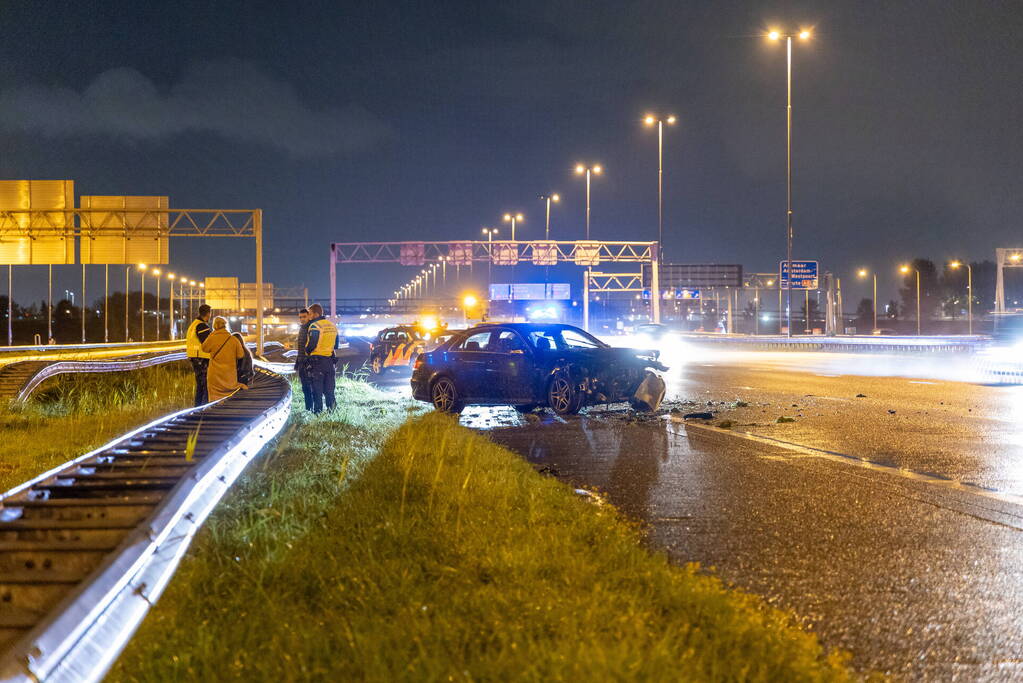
(197, 332)
(302, 359)
(320, 345)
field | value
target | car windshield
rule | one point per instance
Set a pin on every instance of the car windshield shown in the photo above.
(563, 338)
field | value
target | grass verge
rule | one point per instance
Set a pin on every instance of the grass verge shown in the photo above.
(357, 551)
(74, 413)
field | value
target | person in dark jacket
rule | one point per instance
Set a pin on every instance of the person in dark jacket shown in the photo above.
(302, 359)
(320, 345)
(244, 365)
(198, 331)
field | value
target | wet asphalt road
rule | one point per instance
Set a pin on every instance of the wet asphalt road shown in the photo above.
(910, 565)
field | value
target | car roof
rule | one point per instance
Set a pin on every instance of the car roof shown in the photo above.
(523, 327)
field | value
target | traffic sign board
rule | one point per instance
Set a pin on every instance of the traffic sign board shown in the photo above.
(687, 294)
(804, 275)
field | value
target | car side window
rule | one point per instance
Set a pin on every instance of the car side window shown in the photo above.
(543, 340)
(507, 341)
(475, 342)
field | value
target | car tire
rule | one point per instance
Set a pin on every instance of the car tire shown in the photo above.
(563, 396)
(444, 396)
(376, 365)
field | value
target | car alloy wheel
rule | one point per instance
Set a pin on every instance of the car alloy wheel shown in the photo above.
(377, 365)
(562, 396)
(445, 396)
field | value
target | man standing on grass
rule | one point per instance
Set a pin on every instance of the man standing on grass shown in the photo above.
(320, 345)
(197, 332)
(302, 359)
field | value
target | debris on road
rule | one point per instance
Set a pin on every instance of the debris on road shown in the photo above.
(861, 395)
(698, 416)
(783, 419)
(891, 412)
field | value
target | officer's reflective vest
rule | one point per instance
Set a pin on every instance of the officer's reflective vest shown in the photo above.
(327, 339)
(193, 347)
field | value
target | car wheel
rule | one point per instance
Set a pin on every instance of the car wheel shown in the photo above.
(562, 395)
(376, 365)
(445, 396)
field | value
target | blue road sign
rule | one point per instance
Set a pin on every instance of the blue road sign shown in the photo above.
(687, 294)
(804, 275)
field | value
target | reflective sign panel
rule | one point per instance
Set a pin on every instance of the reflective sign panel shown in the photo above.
(40, 237)
(222, 293)
(124, 235)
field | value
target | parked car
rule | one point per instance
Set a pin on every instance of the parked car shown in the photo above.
(529, 365)
(395, 348)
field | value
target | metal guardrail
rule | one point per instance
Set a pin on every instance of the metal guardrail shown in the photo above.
(19, 380)
(878, 344)
(87, 548)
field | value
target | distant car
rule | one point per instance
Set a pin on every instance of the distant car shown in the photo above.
(529, 365)
(395, 348)
(652, 331)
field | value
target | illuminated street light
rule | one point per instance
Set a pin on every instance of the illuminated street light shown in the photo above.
(142, 303)
(905, 270)
(955, 265)
(862, 274)
(513, 218)
(548, 198)
(650, 120)
(582, 169)
(775, 35)
(490, 232)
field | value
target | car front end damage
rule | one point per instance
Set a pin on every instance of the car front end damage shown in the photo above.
(627, 375)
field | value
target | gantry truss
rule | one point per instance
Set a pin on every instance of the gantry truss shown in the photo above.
(585, 253)
(133, 222)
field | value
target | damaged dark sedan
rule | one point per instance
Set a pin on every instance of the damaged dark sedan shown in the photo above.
(533, 365)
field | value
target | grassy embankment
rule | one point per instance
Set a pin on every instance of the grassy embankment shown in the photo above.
(357, 551)
(72, 414)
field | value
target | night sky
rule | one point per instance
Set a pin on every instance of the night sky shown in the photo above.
(350, 121)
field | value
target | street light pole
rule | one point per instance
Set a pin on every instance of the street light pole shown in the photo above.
(863, 273)
(905, 270)
(142, 303)
(490, 232)
(582, 169)
(170, 307)
(513, 218)
(156, 274)
(775, 35)
(969, 291)
(650, 120)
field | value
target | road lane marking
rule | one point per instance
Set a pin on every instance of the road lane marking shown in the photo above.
(923, 477)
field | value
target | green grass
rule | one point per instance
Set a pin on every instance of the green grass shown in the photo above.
(72, 414)
(359, 552)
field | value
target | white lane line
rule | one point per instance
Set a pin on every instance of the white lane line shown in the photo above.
(920, 381)
(923, 477)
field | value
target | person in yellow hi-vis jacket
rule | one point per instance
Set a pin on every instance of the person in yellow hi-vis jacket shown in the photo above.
(197, 332)
(321, 341)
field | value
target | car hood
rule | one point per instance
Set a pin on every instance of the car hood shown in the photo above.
(615, 356)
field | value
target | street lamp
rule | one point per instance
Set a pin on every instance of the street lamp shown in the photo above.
(142, 302)
(170, 307)
(955, 265)
(776, 35)
(583, 169)
(548, 198)
(490, 232)
(863, 273)
(650, 120)
(156, 274)
(905, 270)
(513, 218)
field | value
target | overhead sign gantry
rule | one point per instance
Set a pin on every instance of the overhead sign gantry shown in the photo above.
(584, 253)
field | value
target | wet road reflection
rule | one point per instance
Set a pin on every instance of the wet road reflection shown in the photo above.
(909, 582)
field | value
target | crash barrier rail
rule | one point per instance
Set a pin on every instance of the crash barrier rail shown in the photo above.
(98, 346)
(87, 548)
(19, 380)
(848, 344)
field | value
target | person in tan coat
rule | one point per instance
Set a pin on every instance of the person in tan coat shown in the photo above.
(224, 350)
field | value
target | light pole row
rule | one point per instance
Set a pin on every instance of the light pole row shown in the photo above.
(907, 269)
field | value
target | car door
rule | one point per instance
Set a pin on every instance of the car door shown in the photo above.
(510, 372)
(468, 365)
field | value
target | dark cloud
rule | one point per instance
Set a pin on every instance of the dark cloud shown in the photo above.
(232, 99)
